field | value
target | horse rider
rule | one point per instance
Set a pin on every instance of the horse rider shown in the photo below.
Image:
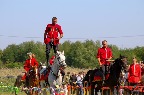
(134, 75)
(30, 62)
(45, 73)
(104, 53)
(51, 38)
(51, 61)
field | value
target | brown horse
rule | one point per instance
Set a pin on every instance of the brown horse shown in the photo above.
(33, 80)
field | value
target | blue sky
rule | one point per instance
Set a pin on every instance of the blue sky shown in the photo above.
(120, 22)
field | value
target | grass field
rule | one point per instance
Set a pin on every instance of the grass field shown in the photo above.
(8, 76)
(17, 71)
(10, 93)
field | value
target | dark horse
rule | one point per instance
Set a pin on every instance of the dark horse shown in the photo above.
(116, 68)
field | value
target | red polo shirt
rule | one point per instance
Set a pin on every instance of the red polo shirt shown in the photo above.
(134, 73)
(52, 31)
(103, 54)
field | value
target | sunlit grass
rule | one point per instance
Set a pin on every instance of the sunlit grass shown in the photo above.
(15, 71)
(10, 93)
(8, 77)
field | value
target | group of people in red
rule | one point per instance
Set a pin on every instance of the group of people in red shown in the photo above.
(104, 54)
(54, 33)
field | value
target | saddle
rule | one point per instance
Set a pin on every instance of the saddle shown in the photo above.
(98, 73)
(44, 74)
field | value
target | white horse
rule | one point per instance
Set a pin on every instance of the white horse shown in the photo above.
(55, 76)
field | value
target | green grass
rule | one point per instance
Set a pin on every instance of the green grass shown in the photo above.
(7, 86)
(7, 81)
(4, 81)
(10, 93)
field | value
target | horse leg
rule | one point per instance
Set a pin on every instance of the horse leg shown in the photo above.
(113, 90)
(36, 93)
(42, 84)
(15, 85)
(92, 88)
(97, 91)
(30, 92)
(33, 92)
(52, 91)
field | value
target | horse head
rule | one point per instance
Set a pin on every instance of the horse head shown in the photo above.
(122, 62)
(118, 67)
(60, 59)
(59, 63)
(33, 72)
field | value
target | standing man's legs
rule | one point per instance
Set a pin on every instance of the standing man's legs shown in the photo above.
(103, 71)
(48, 48)
(55, 48)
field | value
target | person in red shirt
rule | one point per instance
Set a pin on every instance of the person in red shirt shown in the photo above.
(45, 73)
(31, 61)
(51, 61)
(51, 37)
(104, 53)
(134, 76)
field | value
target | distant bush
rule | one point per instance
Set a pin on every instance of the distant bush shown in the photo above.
(14, 65)
(1, 64)
(78, 54)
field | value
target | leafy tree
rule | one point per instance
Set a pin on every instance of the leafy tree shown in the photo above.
(82, 54)
(37, 48)
(1, 54)
(115, 51)
(10, 54)
(78, 54)
(139, 52)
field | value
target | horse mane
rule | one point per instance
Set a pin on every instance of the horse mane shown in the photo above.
(115, 70)
(118, 60)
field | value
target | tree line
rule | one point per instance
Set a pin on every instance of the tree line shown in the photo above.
(78, 54)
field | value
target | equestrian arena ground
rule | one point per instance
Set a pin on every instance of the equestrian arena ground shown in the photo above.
(8, 76)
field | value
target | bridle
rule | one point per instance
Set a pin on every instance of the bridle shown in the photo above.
(35, 70)
(124, 64)
(122, 72)
(60, 62)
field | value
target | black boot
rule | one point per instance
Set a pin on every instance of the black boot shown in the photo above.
(47, 60)
(103, 79)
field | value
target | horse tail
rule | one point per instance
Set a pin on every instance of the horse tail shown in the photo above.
(18, 82)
